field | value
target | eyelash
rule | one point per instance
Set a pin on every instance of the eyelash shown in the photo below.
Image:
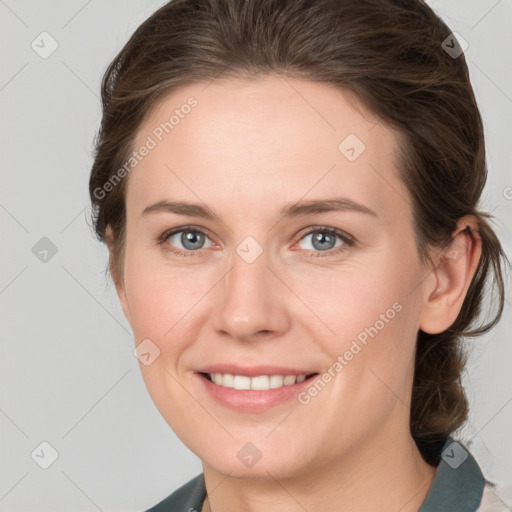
(348, 241)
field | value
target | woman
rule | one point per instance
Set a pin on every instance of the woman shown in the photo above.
(289, 193)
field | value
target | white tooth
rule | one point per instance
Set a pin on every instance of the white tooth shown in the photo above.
(242, 382)
(289, 380)
(227, 380)
(276, 381)
(260, 383)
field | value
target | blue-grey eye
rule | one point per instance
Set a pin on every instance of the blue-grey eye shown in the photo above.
(190, 240)
(323, 240)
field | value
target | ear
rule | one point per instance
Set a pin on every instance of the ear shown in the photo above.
(117, 277)
(446, 287)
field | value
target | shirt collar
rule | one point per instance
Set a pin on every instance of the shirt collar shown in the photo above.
(458, 483)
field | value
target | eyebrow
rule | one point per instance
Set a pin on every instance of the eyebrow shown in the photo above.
(292, 210)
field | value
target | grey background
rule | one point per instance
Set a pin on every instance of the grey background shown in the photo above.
(67, 370)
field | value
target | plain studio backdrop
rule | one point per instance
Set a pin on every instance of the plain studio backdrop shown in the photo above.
(70, 385)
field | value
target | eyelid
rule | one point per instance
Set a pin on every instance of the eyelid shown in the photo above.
(167, 233)
(327, 229)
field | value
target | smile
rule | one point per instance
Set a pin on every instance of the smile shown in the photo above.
(253, 393)
(259, 383)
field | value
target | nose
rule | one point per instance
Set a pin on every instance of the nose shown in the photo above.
(251, 301)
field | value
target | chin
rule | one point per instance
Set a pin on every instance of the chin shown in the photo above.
(267, 468)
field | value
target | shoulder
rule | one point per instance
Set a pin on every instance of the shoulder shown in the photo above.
(188, 498)
(490, 502)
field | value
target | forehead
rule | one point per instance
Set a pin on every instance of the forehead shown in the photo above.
(272, 138)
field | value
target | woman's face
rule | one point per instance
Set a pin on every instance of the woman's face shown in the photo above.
(259, 288)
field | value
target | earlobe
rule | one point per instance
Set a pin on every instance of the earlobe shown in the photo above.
(453, 274)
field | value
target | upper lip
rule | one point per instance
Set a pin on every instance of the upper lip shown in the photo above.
(253, 371)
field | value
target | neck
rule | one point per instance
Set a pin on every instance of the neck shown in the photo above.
(388, 475)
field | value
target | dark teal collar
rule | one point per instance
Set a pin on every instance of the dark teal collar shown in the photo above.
(188, 498)
(458, 486)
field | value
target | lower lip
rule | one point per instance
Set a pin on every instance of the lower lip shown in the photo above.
(251, 400)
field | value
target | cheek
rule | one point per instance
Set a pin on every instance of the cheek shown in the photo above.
(159, 298)
(370, 316)
(161, 302)
(359, 298)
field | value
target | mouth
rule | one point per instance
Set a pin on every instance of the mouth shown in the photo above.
(255, 388)
(254, 394)
(256, 383)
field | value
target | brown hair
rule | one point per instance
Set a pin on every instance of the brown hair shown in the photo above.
(392, 55)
